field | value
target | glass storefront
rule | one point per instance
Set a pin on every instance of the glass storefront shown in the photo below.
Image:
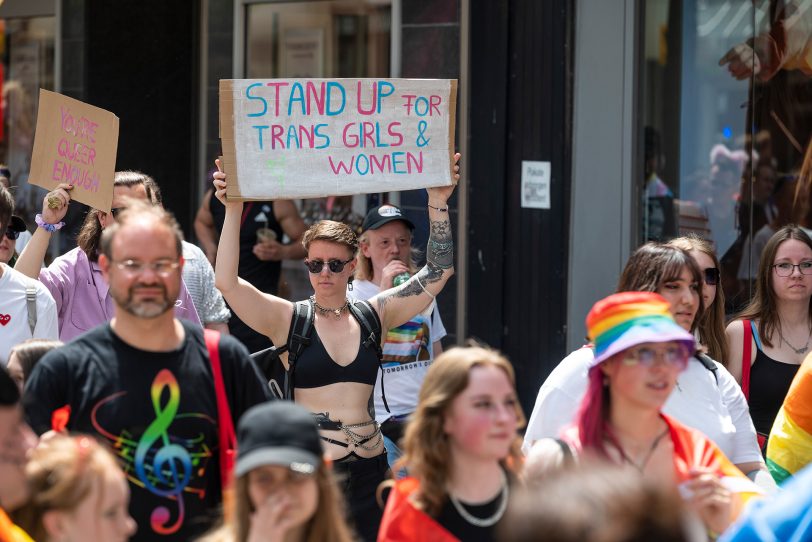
(726, 113)
(27, 64)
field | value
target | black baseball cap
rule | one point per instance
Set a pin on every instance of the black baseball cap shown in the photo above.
(17, 224)
(384, 214)
(278, 433)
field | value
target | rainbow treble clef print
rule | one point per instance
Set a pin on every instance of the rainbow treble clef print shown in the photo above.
(163, 467)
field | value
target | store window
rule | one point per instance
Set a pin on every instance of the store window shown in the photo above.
(726, 117)
(27, 64)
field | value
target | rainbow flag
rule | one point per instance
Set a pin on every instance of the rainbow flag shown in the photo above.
(790, 446)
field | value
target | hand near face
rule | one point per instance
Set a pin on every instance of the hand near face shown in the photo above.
(390, 271)
(271, 521)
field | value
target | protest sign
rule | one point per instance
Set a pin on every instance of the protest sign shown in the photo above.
(75, 143)
(307, 138)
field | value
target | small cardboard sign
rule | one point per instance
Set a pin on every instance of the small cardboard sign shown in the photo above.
(308, 138)
(75, 143)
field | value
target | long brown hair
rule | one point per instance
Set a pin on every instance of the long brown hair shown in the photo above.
(654, 264)
(327, 523)
(425, 444)
(764, 307)
(712, 323)
(90, 234)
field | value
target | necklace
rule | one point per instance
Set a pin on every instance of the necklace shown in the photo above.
(484, 522)
(326, 310)
(797, 350)
(641, 467)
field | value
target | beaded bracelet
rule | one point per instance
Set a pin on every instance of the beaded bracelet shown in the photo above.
(441, 209)
(50, 228)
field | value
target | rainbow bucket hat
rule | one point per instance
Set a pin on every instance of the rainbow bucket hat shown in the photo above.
(627, 319)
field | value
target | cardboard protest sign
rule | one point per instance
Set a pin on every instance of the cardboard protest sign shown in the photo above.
(306, 138)
(75, 143)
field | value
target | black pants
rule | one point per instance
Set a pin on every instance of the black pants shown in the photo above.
(359, 481)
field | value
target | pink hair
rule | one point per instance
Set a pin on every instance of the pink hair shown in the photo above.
(591, 416)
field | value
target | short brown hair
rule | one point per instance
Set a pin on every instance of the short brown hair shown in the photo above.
(332, 232)
(138, 209)
(6, 208)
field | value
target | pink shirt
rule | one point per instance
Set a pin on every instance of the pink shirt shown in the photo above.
(82, 295)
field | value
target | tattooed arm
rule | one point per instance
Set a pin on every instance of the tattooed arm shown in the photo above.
(397, 305)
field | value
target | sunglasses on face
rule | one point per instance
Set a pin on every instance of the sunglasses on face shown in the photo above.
(676, 356)
(12, 234)
(711, 275)
(335, 266)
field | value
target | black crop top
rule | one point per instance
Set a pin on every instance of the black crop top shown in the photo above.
(315, 367)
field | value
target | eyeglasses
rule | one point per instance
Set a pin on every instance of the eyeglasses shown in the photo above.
(785, 269)
(335, 266)
(162, 268)
(711, 276)
(116, 210)
(12, 234)
(676, 356)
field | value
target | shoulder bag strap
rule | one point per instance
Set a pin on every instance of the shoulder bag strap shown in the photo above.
(747, 352)
(708, 363)
(301, 326)
(371, 332)
(225, 426)
(31, 302)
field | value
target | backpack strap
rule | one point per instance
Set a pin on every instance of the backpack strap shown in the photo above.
(301, 326)
(31, 303)
(371, 331)
(225, 427)
(747, 349)
(708, 363)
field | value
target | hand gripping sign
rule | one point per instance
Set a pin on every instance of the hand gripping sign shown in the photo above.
(75, 143)
(306, 138)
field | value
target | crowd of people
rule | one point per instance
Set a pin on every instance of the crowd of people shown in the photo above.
(131, 407)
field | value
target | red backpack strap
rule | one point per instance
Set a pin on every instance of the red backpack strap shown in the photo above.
(225, 425)
(747, 350)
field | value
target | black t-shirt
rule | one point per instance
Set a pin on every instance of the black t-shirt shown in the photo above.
(461, 528)
(158, 413)
(264, 275)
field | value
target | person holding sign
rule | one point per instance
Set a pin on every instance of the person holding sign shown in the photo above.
(334, 375)
(75, 279)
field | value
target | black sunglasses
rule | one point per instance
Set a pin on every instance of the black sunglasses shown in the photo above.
(12, 234)
(711, 276)
(335, 266)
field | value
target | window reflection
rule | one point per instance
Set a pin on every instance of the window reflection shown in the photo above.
(27, 64)
(727, 113)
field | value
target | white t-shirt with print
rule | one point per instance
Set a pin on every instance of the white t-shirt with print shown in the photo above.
(14, 327)
(407, 354)
(718, 410)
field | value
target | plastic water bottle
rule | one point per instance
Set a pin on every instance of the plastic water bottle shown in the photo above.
(400, 279)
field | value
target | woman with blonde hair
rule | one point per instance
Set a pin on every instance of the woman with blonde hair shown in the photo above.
(711, 324)
(461, 449)
(78, 492)
(284, 489)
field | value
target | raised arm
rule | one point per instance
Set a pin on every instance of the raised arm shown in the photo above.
(264, 313)
(54, 208)
(397, 305)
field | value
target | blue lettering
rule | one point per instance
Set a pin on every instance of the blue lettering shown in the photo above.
(260, 98)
